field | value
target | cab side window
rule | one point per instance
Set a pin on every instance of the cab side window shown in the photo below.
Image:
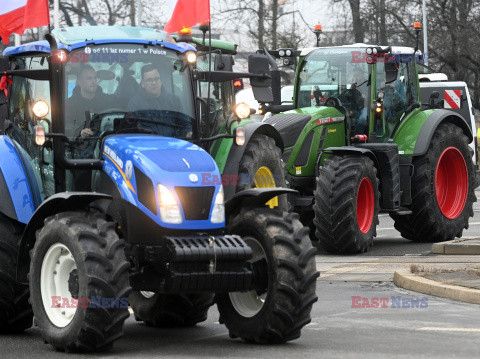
(24, 94)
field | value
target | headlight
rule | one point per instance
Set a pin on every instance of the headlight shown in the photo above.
(169, 208)
(40, 109)
(218, 213)
(191, 57)
(242, 110)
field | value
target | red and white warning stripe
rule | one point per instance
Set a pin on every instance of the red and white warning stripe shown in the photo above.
(453, 99)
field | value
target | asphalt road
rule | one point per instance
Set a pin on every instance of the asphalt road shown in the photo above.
(443, 329)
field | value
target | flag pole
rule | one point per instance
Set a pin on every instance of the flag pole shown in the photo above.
(56, 17)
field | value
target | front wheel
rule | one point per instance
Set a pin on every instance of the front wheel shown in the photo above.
(79, 282)
(346, 204)
(284, 259)
(261, 167)
(443, 186)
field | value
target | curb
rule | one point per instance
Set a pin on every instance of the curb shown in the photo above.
(407, 280)
(456, 247)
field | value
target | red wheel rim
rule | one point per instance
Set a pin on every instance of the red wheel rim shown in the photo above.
(365, 205)
(451, 182)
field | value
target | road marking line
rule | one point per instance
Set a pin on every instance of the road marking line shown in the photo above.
(450, 329)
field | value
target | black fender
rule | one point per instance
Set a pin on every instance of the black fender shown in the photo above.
(432, 122)
(60, 202)
(236, 152)
(348, 150)
(253, 197)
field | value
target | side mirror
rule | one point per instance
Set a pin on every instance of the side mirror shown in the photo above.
(224, 62)
(262, 83)
(391, 72)
(431, 101)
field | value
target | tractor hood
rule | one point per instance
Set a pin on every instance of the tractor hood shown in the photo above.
(139, 163)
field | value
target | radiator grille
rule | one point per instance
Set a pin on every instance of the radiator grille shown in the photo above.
(196, 201)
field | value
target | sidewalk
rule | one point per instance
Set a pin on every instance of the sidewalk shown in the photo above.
(462, 285)
(456, 283)
(467, 246)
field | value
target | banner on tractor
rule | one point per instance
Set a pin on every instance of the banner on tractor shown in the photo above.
(18, 15)
(187, 13)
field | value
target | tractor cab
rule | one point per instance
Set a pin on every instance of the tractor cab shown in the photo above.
(371, 91)
(116, 86)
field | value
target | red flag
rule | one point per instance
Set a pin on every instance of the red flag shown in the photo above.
(188, 13)
(18, 15)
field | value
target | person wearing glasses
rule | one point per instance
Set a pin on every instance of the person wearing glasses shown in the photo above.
(153, 103)
(151, 96)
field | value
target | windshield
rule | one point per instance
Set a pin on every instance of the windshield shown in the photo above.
(337, 75)
(126, 88)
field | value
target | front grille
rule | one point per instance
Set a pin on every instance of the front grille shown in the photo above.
(196, 201)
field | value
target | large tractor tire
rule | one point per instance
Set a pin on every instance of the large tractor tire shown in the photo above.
(78, 257)
(346, 204)
(170, 310)
(284, 259)
(261, 166)
(15, 312)
(443, 186)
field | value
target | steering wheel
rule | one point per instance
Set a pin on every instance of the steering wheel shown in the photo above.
(354, 98)
(98, 126)
(335, 102)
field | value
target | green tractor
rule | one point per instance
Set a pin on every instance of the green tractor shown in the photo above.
(257, 162)
(358, 140)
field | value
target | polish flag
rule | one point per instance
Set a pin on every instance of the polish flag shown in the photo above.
(187, 13)
(18, 15)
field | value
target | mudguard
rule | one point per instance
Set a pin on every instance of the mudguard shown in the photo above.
(236, 152)
(254, 197)
(347, 150)
(432, 122)
(17, 199)
(60, 202)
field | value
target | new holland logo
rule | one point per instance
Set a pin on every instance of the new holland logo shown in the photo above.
(193, 178)
(129, 170)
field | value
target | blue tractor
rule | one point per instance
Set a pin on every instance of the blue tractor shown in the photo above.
(105, 204)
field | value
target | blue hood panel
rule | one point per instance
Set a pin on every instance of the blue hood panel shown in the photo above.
(163, 160)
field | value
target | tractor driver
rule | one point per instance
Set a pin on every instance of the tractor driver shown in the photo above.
(87, 96)
(152, 98)
(359, 83)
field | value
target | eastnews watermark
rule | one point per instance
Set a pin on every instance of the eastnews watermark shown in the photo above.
(92, 302)
(359, 57)
(394, 302)
(209, 179)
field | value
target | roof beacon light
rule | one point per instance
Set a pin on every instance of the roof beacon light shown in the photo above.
(317, 30)
(185, 31)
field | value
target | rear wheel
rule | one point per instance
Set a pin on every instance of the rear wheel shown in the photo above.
(284, 262)
(346, 204)
(79, 282)
(170, 310)
(442, 189)
(261, 167)
(15, 311)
